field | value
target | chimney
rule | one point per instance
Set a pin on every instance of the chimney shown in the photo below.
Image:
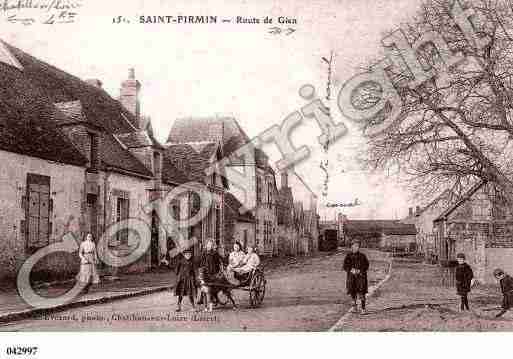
(94, 82)
(129, 94)
(410, 212)
(284, 179)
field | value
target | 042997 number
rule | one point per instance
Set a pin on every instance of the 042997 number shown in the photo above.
(19, 350)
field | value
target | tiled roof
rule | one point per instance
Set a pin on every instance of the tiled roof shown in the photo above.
(458, 203)
(28, 120)
(171, 173)
(234, 205)
(225, 130)
(73, 112)
(187, 160)
(378, 226)
(404, 229)
(69, 100)
(114, 156)
(58, 86)
(135, 139)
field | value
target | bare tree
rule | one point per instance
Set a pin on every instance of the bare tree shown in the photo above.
(454, 132)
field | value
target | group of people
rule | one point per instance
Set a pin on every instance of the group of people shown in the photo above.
(465, 281)
(205, 279)
(356, 266)
(198, 279)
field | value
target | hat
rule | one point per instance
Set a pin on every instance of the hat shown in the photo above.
(460, 255)
(498, 272)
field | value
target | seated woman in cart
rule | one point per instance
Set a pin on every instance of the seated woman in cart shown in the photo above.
(251, 262)
(235, 260)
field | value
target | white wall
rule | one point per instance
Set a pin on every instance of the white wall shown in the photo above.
(66, 190)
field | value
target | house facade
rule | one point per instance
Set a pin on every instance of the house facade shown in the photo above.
(287, 234)
(194, 160)
(480, 226)
(81, 163)
(257, 192)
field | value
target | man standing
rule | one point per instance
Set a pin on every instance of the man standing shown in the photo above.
(356, 265)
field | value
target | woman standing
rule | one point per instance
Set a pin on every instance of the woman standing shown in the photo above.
(88, 274)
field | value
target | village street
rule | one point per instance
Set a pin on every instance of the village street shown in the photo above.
(306, 296)
(416, 299)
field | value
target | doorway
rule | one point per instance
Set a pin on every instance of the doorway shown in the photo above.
(92, 215)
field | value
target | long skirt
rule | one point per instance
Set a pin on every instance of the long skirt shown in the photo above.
(185, 287)
(88, 273)
(356, 284)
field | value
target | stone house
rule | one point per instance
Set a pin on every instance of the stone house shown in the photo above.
(379, 233)
(259, 188)
(194, 159)
(399, 238)
(300, 229)
(312, 229)
(422, 218)
(121, 169)
(480, 226)
(40, 169)
(287, 235)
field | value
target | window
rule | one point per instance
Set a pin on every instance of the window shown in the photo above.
(269, 194)
(38, 212)
(259, 190)
(218, 224)
(122, 213)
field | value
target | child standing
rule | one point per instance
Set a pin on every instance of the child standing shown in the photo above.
(506, 284)
(356, 266)
(186, 280)
(464, 279)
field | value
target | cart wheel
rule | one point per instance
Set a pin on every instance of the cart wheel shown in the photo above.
(257, 290)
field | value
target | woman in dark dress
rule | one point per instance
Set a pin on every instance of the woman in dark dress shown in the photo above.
(463, 276)
(186, 280)
(356, 266)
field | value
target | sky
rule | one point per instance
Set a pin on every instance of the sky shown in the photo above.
(238, 70)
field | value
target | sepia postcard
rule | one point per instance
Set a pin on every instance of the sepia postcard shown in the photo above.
(255, 166)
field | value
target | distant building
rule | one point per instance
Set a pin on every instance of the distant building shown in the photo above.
(288, 237)
(422, 218)
(386, 234)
